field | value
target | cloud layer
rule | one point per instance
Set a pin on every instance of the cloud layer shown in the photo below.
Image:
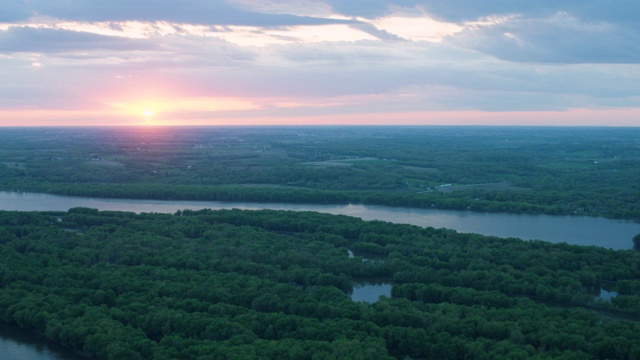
(248, 59)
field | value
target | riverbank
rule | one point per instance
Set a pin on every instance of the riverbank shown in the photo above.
(21, 344)
(466, 200)
(578, 230)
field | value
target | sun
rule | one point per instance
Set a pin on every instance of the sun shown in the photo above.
(147, 113)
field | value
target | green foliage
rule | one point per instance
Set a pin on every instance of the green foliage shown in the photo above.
(273, 284)
(583, 171)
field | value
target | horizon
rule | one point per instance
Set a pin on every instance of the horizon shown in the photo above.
(319, 63)
(151, 127)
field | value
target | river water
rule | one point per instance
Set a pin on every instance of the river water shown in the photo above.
(18, 344)
(614, 234)
(579, 230)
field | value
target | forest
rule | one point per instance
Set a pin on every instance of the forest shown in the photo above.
(234, 284)
(538, 170)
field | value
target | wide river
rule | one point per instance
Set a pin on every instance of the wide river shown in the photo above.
(614, 234)
(580, 230)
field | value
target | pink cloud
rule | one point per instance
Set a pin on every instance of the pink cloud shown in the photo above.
(574, 117)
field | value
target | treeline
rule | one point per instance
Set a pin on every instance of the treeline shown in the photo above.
(577, 171)
(456, 201)
(233, 284)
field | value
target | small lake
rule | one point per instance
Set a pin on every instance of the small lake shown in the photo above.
(606, 295)
(370, 291)
(579, 230)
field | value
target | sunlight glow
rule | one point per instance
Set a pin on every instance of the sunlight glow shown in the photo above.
(241, 35)
(572, 117)
(259, 37)
(311, 8)
(416, 28)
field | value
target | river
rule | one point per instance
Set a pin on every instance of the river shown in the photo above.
(579, 230)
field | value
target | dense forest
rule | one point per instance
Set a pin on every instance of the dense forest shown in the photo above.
(583, 171)
(234, 284)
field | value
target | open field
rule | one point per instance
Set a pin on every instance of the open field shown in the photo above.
(343, 162)
(488, 186)
(104, 163)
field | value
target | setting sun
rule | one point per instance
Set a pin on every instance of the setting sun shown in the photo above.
(147, 113)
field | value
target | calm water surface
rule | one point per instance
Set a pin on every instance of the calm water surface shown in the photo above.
(370, 291)
(18, 344)
(607, 295)
(580, 230)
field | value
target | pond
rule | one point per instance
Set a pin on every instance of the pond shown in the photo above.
(607, 295)
(370, 290)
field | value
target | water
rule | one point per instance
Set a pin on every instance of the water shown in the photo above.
(366, 256)
(607, 295)
(18, 344)
(579, 230)
(370, 292)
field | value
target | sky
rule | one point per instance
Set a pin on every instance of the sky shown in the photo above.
(331, 62)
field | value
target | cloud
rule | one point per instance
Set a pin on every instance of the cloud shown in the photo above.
(589, 10)
(26, 39)
(561, 38)
(378, 33)
(13, 10)
(194, 11)
(369, 8)
(580, 31)
(311, 8)
(306, 57)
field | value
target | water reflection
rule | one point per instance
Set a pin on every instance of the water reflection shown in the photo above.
(18, 344)
(607, 295)
(366, 256)
(370, 290)
(615, 234)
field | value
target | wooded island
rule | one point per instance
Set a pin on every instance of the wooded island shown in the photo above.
(234, 284)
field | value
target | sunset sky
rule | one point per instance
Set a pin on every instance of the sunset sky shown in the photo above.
(263, 62)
